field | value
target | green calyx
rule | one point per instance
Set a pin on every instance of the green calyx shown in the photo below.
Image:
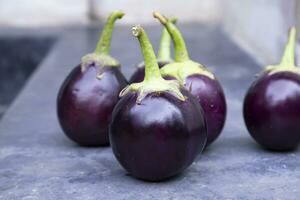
(288, 59)
(153, 81)
(100, 57)
(183, 65)
(181, 70)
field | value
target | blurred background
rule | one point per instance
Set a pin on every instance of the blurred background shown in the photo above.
(28, 29)
(261, 25)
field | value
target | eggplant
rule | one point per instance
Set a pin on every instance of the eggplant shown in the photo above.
(198, 80)
(90, 92)
(163, 56)
(272, 103)
(158, 127)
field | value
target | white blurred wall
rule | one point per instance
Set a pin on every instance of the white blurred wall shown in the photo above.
(32, 13)
(140, 11)
(260, 26)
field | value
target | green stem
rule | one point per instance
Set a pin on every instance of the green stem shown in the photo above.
(288, 58)
(164, 51)
(151, 67)
(103, 45)
(180, 50)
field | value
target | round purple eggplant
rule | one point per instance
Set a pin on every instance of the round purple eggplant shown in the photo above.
(158, 127)
(272, 103)
(198, 80)
(163, 56)
(88, 95)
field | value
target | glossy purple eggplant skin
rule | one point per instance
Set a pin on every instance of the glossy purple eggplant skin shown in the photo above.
(272, 110)
(85, 104)
(158, 138)
(210, 96)
(139, 74)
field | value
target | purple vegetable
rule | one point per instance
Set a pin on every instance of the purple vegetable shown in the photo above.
(158, 127)
(90, 92)
(198, 80)
(272, 103)
(163, 57)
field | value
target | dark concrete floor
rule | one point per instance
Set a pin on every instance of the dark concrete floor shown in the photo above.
(19, 56)
(38, 162)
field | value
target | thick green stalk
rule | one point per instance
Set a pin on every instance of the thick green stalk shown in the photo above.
(151, 66)
(100, 56)
(288, 58)
(103, 46)
(153, 81)
(287, 63)
(164, 51)
(180, 50)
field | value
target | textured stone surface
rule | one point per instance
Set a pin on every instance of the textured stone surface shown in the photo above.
(38, 162)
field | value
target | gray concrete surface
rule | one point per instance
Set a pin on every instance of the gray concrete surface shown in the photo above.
(38, 162)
